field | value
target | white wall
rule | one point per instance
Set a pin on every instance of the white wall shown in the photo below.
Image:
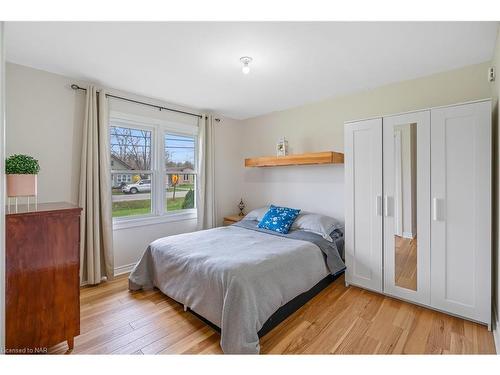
(45, 118)
(319, 127)
(2, 205)
(129, 244)
(228, 166)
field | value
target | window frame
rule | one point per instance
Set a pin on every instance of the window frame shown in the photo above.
(159, 129)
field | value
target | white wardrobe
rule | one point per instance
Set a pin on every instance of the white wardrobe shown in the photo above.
(418, 207)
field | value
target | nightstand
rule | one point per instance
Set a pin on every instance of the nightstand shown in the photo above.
(228, 220)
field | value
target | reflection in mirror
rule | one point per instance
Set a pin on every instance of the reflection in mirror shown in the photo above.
(405, 205)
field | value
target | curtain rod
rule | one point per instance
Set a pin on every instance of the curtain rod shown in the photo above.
(76, 87)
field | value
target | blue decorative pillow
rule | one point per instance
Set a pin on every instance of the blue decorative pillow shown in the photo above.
(279, 219)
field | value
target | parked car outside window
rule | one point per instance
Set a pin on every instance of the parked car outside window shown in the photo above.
(143, 186)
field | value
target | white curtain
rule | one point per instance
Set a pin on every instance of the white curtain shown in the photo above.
(205, 202)
(96, 236)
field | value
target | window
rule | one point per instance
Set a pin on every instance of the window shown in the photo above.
(180, 161)
(153, 168)
(131, 154)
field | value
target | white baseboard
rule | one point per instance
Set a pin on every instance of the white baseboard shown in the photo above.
(124, 269)
(117, 271)
(408, 235)
(496, 333)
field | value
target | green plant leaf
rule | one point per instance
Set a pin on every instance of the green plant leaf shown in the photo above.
(21, 164)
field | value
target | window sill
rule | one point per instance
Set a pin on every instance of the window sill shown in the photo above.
(119, 224)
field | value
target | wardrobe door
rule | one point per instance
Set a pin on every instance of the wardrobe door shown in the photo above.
(461, 210)
(406, 160)
(363, 182)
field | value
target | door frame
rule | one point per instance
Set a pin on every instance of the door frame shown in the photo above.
(398, 179)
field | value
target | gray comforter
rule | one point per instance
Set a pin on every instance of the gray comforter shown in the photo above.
(236, 276)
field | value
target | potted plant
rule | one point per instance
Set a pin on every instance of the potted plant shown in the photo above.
(21, 173)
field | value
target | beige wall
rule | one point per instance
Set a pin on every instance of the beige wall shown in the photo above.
(319, 127)
(45, 118)
(228, 166)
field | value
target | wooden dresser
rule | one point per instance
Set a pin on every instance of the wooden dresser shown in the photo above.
(42, 270)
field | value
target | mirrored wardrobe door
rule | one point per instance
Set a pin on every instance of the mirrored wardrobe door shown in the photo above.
(406, 180)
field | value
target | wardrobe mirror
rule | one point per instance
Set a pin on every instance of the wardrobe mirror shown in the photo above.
(405, 205)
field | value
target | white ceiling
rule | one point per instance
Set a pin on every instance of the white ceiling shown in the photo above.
(197, 64)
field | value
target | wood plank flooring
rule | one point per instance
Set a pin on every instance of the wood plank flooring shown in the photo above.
(406, 262)
(339, 320)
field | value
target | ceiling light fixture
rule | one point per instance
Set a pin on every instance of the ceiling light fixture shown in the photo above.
(245, 60)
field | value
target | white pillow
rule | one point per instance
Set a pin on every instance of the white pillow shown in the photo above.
(316, 223)
(256, 214)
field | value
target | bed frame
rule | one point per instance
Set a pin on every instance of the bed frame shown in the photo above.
(284, 311)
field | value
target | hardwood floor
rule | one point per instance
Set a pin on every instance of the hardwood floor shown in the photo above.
(406, 262)
(340, 320)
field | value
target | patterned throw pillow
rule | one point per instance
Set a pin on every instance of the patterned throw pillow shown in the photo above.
(279, 219)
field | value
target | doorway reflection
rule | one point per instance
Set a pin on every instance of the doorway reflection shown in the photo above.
(405, 205)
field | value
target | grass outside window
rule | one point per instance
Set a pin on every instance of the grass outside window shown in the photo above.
(143, 207)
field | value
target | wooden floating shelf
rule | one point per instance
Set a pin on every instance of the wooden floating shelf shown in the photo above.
(311, 158)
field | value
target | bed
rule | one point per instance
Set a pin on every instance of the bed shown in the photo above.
(238, 277)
